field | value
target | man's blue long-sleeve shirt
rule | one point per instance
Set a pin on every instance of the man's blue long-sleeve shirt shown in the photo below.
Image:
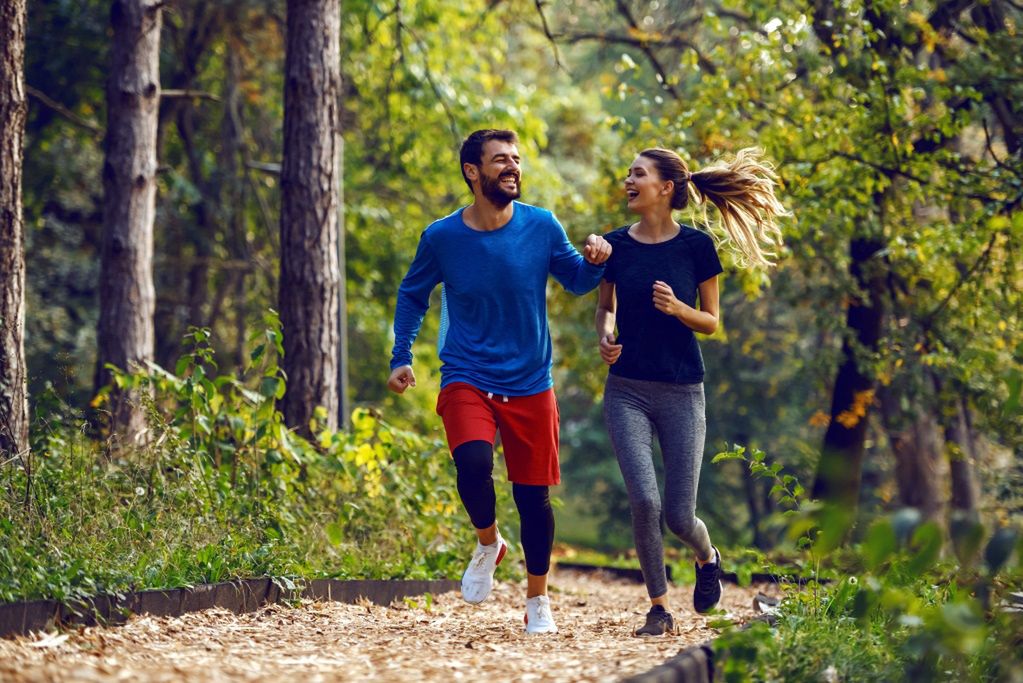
(495, 287)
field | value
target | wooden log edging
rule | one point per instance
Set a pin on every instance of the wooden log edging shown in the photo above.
(628, 573)
(635, 574)
(694, 664)
(242, 595)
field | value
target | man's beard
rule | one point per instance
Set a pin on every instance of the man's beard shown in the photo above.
(497, 195)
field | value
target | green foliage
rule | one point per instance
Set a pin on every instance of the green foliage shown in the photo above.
(223, 490)
(895, 607)
(882, 126)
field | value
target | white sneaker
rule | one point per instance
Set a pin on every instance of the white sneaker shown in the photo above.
(478, 577)
(538, 615)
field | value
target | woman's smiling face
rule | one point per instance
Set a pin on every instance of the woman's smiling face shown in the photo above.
(644, 188)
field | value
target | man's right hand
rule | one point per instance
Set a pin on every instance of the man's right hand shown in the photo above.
(401, 379)
(610, 351)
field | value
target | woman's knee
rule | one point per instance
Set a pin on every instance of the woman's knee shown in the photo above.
(646, 510)
(682, 525)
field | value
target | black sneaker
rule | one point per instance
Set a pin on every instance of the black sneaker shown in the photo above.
(658, 622)
(707, 592)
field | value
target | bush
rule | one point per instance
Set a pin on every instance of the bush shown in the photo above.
(222, 489)
(896, 608)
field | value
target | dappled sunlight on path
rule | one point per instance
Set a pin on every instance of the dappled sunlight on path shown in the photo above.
(436, 638)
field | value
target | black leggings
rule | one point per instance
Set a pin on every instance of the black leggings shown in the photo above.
(474, 462)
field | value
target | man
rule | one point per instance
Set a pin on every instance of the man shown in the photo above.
(494, 257)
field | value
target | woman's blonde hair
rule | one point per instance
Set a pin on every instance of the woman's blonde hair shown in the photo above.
(742, 189)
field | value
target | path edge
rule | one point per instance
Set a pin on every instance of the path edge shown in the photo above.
(241, 595)
(694, 664)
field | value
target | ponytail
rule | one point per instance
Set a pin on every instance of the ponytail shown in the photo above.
(743, 192)
(742, 189)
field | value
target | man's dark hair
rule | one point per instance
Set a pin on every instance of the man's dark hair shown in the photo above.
(472, 148)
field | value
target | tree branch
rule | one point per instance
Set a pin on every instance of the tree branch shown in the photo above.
(59, 108)
(547, 33)
(197, 94)
(452, 123)
(266, 167)
(928, 320)
(644, 47)
(990, 150)
(641, 43)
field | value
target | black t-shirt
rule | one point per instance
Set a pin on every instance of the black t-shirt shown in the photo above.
(656, 346)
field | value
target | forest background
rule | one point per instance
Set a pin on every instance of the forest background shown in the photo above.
(879, 363)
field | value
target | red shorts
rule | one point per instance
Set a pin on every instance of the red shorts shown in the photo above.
(528, 425)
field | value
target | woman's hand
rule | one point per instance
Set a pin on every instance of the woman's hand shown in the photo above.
(610, 351)
(665, 301)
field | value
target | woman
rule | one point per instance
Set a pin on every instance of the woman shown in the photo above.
(657, 271)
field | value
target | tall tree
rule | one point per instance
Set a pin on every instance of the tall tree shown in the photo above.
(127, 297)
(13, 387)
(310, 282)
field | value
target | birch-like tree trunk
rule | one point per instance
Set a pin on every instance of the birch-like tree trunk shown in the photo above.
(127, 298)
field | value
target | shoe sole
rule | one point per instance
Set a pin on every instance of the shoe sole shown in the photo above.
(525, 621)
(500, 556)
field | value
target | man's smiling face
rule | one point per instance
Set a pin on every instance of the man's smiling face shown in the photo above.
(500, 172)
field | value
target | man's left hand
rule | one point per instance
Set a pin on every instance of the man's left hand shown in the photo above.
(597, 250)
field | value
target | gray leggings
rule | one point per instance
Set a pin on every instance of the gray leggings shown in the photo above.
(633, 410)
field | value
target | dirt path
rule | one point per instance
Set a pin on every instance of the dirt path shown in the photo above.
(439, 638)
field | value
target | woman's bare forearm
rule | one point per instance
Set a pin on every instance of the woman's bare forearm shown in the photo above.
(604, 322)
(703, 322)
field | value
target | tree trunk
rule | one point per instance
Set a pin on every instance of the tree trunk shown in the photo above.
(961, 459)
(959, 447)
(917, 451)
(234, 190)
(310, 283)
(13, 107)
(127, 298)
(841, 464)
(343, 404)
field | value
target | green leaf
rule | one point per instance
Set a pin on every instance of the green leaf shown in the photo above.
(335, 534)
(967, 534)
(904, 522)
(834, 521)
(268, 387)
(1015, 382)
(880, 544)
(1000, 547)
(863, 603)
(926, 546)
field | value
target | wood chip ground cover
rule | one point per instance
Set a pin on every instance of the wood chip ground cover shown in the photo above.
(435, 638)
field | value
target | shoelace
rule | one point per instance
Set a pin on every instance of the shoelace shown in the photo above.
(706, 576)
(479, 558)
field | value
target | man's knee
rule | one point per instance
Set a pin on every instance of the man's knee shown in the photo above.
(474, 460)
(531, 497)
